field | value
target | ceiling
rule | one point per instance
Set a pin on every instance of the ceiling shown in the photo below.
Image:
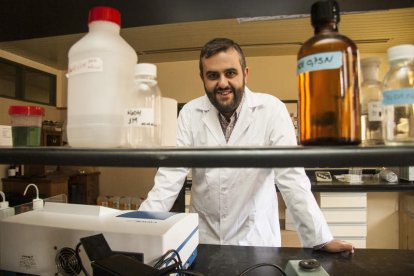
(373, 31)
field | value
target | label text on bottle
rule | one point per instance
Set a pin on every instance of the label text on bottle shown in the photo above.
(140, 117)
(321, 61)
(398, 96)
(88, 65)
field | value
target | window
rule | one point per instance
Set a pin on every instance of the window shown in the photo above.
(8, 76)
(24, 83)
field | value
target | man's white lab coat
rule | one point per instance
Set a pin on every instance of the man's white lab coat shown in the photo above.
(239, 206)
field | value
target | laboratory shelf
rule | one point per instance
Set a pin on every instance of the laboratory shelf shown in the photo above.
(297, 156)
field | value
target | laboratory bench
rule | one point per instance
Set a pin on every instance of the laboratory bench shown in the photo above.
(232, 260)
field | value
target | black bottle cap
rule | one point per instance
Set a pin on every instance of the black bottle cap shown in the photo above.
(324, 12)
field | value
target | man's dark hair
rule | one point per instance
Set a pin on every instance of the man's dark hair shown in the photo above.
(217, 45)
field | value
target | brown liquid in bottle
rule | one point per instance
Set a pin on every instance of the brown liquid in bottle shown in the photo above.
(329, 98)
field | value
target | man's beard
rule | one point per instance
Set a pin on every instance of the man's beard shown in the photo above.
(227, 108)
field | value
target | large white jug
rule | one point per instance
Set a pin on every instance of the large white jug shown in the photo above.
(100, 82)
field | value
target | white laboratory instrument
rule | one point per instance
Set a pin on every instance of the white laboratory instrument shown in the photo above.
(30, 242)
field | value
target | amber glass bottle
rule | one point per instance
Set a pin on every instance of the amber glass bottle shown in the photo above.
(328, 82)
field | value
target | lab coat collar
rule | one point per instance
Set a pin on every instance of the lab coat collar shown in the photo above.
(245, 118)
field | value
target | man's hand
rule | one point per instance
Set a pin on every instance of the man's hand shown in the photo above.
(335, 246)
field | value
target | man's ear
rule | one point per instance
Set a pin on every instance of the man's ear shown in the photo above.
(246, 73)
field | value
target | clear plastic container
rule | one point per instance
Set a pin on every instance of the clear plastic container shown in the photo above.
(100, 82)
(143, 118)
(371, 102)
(26, 124)
(398, 96)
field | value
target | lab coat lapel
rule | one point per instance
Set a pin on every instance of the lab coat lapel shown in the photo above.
(210, 119)
(245, 117)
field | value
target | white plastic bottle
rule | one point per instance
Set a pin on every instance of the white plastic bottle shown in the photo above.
(398, 96)
(143, 118)
(371, 106)
(100, 81)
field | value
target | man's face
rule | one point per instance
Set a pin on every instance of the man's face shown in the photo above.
(224, 80)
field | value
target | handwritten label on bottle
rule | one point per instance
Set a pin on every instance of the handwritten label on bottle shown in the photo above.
(321, 61)
(374, 111)
(140, 117)
(93, 64)
(398, 96)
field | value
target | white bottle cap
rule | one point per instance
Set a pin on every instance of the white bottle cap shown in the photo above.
(147, 69)
(402, 51)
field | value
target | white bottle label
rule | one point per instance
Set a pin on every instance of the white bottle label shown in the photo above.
(398, 96)
(93, 64)
(140, 117)
(374, 111)
(321, 61)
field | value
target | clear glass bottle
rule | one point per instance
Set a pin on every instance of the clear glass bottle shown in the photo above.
(144, 116)
(328, 82)
(371, 102)
(398, 96)
(102, 200)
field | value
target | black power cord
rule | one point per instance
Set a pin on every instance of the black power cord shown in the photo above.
(185, 272)
(164, 260)
(247, 270)
(177, 266)
(77, 250)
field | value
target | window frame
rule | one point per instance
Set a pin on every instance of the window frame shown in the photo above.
(20, 86)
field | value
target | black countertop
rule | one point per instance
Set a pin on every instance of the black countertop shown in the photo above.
(227, 260)
(232, 260)
(340, 187)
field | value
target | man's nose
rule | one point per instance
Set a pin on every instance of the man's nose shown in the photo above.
(223, 82)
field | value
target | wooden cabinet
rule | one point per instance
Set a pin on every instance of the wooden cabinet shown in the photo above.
(84, 188)
(406, 215)
(48, 186)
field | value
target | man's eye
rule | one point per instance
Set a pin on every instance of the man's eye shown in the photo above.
(212, 76)
(231, 74)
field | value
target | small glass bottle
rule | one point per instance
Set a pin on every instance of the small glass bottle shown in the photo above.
(371, 102)
(135, 203)
(125, 203)
(398, 96)
(328, 82)
(144, 115)
(102, 200)
(11, 172)
(113, 202)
